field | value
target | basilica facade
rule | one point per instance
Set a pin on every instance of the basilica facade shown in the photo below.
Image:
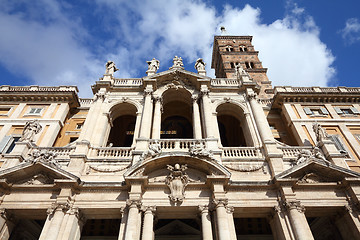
(180, 155)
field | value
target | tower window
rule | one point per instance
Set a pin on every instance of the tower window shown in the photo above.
(242, 48)
(229, 48)
(249, 65)
(232, 65)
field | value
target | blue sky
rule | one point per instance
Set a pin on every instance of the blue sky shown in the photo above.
(50, 42)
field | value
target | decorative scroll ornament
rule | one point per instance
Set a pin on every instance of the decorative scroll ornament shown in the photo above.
(43, 156)
(307, 155)
(199, 150)
(31, 128)
(153, 151)
(177, 181)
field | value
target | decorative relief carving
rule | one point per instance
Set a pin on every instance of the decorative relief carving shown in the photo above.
(109, 168)
(251, 96)
(177, 181)
(38, 179)
(246, 167)
(43, 156)
(199, 150)
(153, 151)
(31, 128)
(311, 178)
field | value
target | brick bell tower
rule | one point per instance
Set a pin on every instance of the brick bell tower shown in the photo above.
(231, 50)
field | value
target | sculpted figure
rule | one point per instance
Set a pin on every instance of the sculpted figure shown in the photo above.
(110, 68)
(320, 132)
(177, 181)
(44, 156)
(199, 150)
(200, 65)
(31, 128)
(178, 62)
(303, 156)
(153, 151)
(153, 65)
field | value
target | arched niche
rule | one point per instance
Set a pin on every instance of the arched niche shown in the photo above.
(197, 169)
(123, 120)
(233, 126)
(176, 119)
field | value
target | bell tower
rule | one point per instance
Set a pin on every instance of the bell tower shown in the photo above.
(228, 51)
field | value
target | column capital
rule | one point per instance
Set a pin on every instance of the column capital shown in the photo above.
(195, 98)
(205, 92)
(220, 202)
(148, 92)
(203, 209)
(148, 209)
(229, 209)
(64, 207)
(290, 205)
(251, 96)
(133, 203)
(158, 99)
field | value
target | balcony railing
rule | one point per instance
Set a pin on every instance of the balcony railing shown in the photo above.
(293, 152)
(241, 152)
(112, 152)
(132, 82)
(224, 82)
(61, 152)
(173, 145)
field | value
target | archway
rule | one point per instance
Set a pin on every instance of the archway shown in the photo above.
(176, 120)
(123, 125)
(232, 127)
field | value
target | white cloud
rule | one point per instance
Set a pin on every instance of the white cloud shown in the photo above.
(49, 47)
(351, 32)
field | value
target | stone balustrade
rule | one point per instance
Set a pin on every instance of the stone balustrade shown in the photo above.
(168, 145)
(35, 88)
(61, 152)
(241, 152)
(85, 101)
(317, 89)
(112, 152)
(224, 82)
(293, 152)
(128, 82)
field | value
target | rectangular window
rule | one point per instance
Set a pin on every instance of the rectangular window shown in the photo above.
(4, 110)
(346, 110)
(35, 111)
(7, 144)
(316, 111)
(79, 125)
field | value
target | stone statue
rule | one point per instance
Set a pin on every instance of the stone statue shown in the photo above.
(153, 151)
(200, 65)
(110, 68)
(31, 128)
(303, 156)
(320, 133)
(198, 150)
(239, 70)
(307, 155)
(153, 65)
(178, 62)
(177, 181)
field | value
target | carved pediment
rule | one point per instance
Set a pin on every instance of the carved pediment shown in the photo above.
(316, 172)
(38, 173)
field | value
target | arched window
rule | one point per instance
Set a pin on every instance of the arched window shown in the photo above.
(233, 129)
(123, 125)
(176, 119)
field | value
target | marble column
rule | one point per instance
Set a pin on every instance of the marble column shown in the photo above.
(251, 127)
(206, 223)
(299, 224)
(124, 218)
(132, 225)
(222, 220)
(260, 119)
(206, 105)
(73, 225)
(6, 226)
(157, 118)
(230, 211)
(148, 227)
(53, 223)
(145, 127)
(196, 119)
(279, 225)
(349, 223)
